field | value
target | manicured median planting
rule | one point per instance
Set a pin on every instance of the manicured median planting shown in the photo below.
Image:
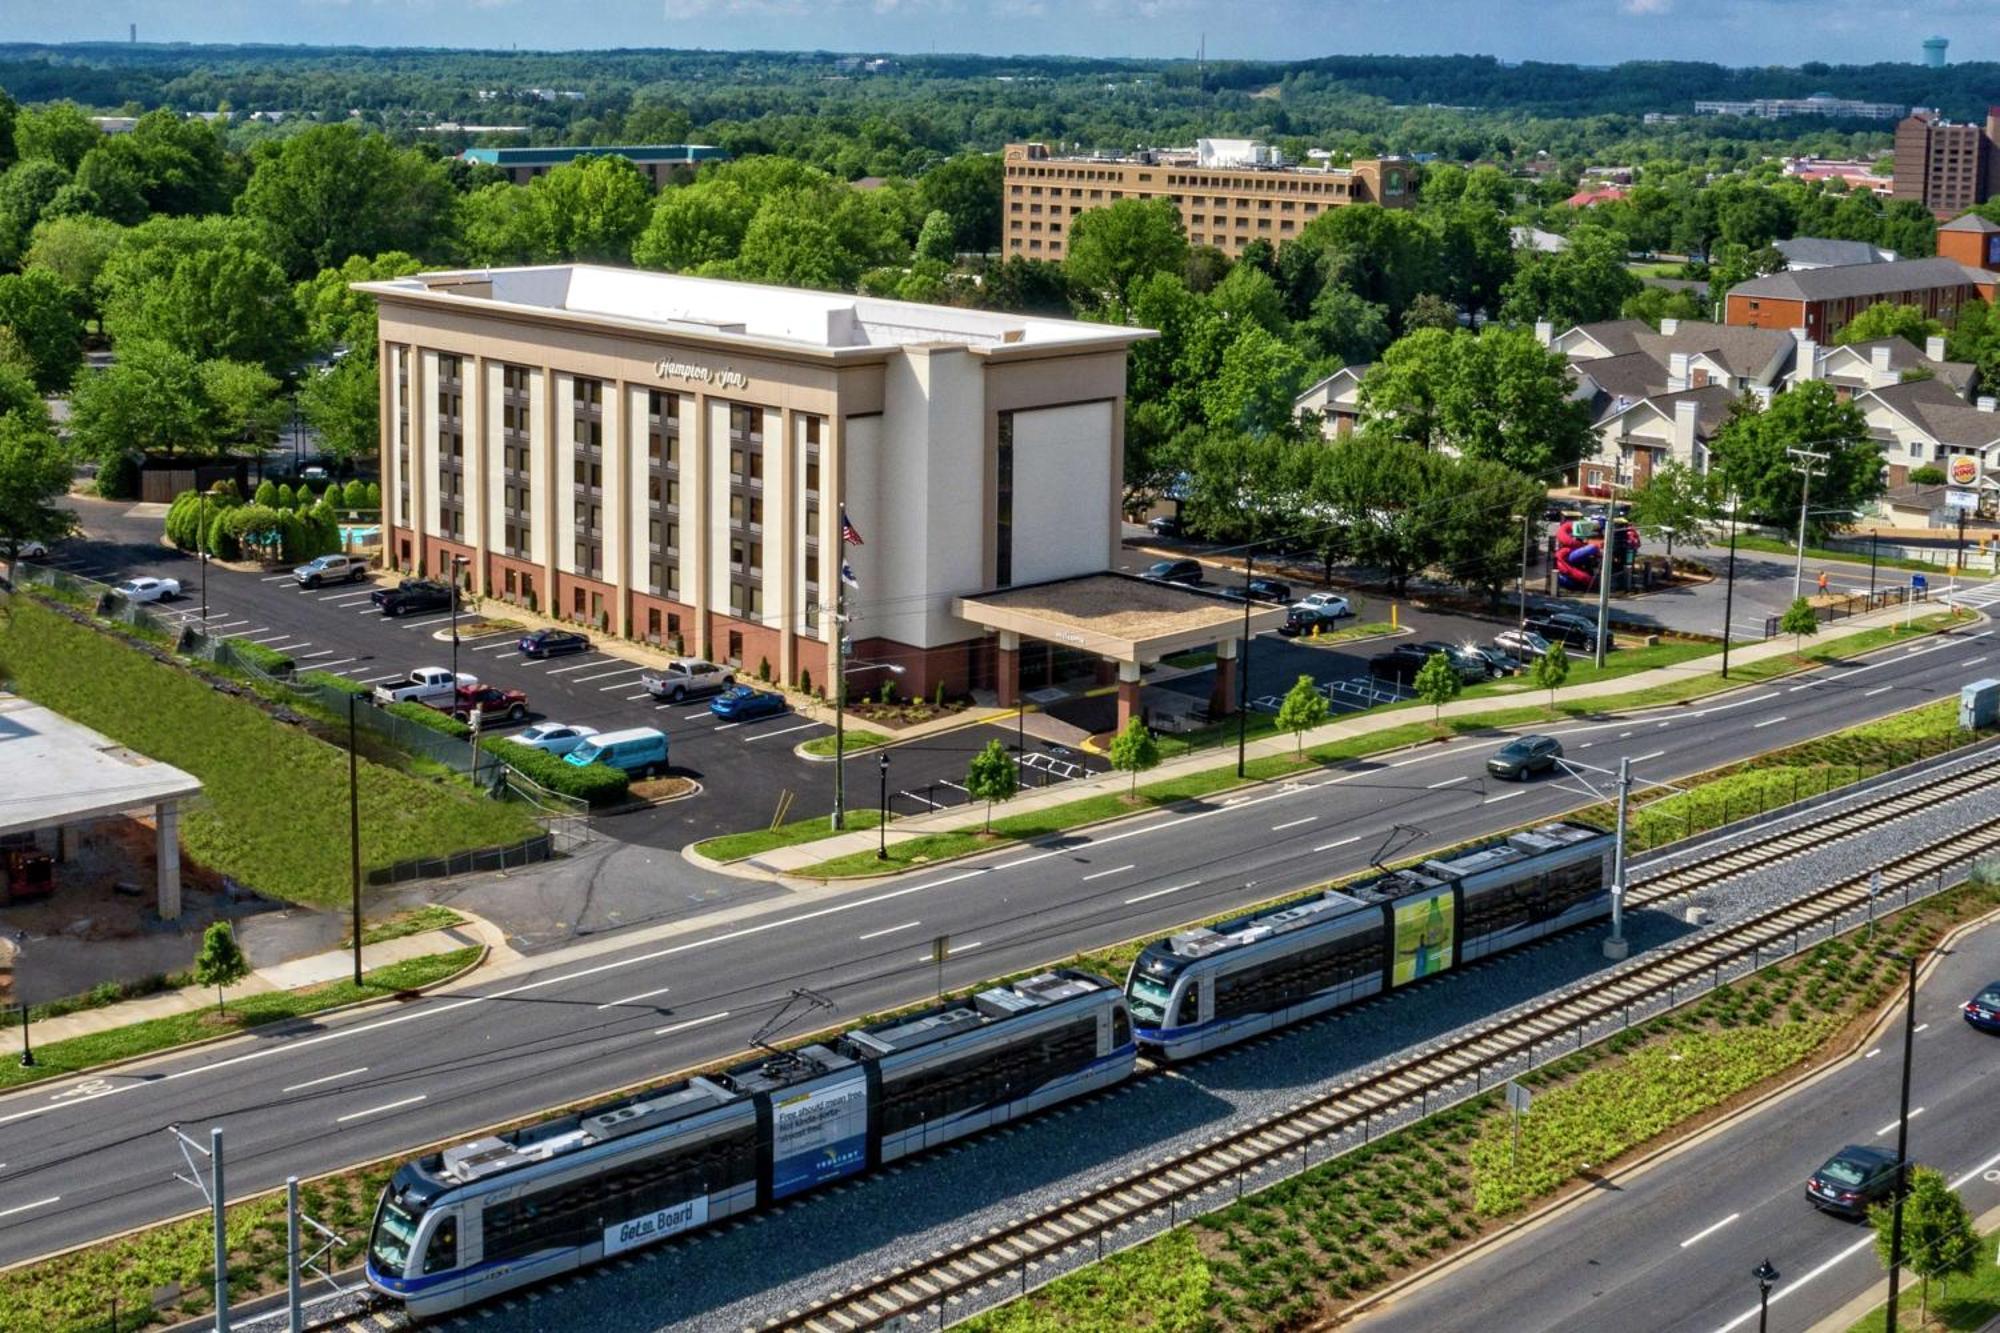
(263, 818)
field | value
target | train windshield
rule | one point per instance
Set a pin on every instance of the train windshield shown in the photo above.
(1149, 1000)
(395, 1232)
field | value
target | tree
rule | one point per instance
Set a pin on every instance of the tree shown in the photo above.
(793, 243)
(27, 191)
(691, 225)
(150, 401)
(1110, 247)
(935, 240)
(1341, 326)
(1678, 503)
(341, 404)
(1930, 474)
(243, 407)
(220, 962)
(1437, 683)
(1588, 281)
(1498, 395)
(34, 474)
(41, 309)
(1253, 389)
(1430, 311)
(335, 315)
(59, 132)
(1134, 751)
(205, 286)
(1654, 304)
(1302, 709)
(1887, 320)
(990, 777)
(1766, 480)
(1551, 669)
(1939, 1238)
(1798, 621)
(332, 191)
(966, 189)
(74, 249)
(590, 210)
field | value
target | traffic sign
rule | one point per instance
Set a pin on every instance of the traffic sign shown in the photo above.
(1519, 1099)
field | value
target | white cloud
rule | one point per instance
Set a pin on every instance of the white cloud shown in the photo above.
(1645, 8)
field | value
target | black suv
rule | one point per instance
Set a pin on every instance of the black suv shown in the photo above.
(412, 596)
(1173, 571)
(1570, 630)
(1470, 665)
(1400, 664)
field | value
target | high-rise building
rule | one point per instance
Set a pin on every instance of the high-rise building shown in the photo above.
(1947, 167)
(1230, 192)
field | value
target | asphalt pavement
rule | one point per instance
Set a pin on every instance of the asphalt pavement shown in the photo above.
(87, 1156)
(1672, 1248)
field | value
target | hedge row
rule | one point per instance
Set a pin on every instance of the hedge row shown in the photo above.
(425, 716)
(341, 683)
(599, 784)
(267, 660)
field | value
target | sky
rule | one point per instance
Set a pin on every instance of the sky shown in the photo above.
(1735, 32)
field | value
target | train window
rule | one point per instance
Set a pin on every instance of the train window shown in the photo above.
(986, 1077)
(1190, 1007)
(1288, 978)
(1121, 1028)
(441, 1254)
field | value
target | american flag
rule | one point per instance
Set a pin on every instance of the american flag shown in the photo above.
(848, 533)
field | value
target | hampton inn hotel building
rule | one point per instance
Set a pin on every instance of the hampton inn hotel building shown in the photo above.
(666, 458)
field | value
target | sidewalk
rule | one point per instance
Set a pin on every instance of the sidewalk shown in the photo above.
(793, 859)
(312, 970)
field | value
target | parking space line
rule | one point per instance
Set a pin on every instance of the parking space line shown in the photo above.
(578, 666)
(766, 735)
(324, 652)
(276, 578)
(419, 624)
(640, 695)
(606, 689)
(912, 795)
(246, 633)
(728, 726)
(347, 596)
(338, 661)
(607, 675)
(374, 680)
(487, 648)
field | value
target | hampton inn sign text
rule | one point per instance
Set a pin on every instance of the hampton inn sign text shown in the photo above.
(682, 370)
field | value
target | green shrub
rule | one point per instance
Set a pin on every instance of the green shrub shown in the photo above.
(286, 499)
(373, 497)
(599, 784)
(341, 683)
(764, 669)
(267, 660)
(887, 694)
(118, 477)
(222, 542)
(425, 716)
(266, 494)
(805, 682)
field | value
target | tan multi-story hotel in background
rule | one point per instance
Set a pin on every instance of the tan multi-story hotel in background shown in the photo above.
(667, 458)
(1229, 192)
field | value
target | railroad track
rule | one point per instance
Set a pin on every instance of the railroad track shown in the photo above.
(1008, 1259)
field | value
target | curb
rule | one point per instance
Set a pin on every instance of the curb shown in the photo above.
(1651, 1157)
(181, 1048)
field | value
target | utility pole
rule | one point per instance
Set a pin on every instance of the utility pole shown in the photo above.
(1521, 585)
(1729, 590)
(201, 550)
(1617, 946)
(354, 831)
(1806, 471)
(212, 1193)
(456, 562)
(1875, 540)
(1909, 961)
(294, 1306)
(1604, 561)
(1243, 667)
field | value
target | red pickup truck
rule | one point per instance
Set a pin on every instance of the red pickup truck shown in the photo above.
(489, 703)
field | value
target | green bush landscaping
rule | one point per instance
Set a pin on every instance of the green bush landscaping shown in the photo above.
(341, 683)
(263, 818)
(853, 738)
(267, 660)
(425, 716)
(599, 784)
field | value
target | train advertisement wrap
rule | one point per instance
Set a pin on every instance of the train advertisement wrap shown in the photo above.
(654, 1225)
(819, 1135)
(1424, 929)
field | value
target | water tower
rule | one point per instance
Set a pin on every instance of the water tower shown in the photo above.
(1934, 51)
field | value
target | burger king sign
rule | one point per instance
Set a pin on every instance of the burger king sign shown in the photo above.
(1963, 470)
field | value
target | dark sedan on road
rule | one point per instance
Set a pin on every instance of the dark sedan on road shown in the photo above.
(553, 643)
(1853, 1179)
(1524, 755)
(1983, 1009)
(744, 703)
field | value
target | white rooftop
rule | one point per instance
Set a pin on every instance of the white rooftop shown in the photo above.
(53, 771)
(714, 307)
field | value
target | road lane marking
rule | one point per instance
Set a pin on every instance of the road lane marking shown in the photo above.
(1879, 689)
(378, 1110)
(634, 999)
(1872, 1054)
(1642, 758)
(1161, 893)
(1973, 661)
(1624, 735)
(1710, 1230)
(1768, 722)
(1115, 870)
(1329, 846)
(1503, 796)
(27, 1207)
(1293, 823)
(1446, 783)
(1890, 1128)
(765, 735)
(1663, 724)
(691, 1023)
(1918, 1028)
(315, 1082)
(889, 930)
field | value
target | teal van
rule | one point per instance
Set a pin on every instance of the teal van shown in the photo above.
(640, 751)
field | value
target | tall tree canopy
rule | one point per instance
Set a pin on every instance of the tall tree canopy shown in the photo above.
(1497, 395)
(333, 191)
(1766, 480)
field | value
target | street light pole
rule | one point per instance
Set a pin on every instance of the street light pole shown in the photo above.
(27, 1051)
(1874, 540)
(201, 549)
(1909, 961)
(1521, 586)
(1604, 561)
(882, 821)
(1618, 946)
(457, 562)
(1729, 591)
(1767, 1277)
(1805, 496)
(1243, 667)
(354, 831)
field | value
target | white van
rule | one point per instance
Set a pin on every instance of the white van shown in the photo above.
(640, 751)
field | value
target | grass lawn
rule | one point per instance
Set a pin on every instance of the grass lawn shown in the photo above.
(1772, 546)
(736, 846)
(1960, 1305)
(263, 818)
(59, 1058)
(854, 738)
(413, 922)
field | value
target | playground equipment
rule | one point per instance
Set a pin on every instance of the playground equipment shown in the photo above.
(1579, 546)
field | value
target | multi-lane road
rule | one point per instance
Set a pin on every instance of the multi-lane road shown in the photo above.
(86, 1156)
(1672, 1248)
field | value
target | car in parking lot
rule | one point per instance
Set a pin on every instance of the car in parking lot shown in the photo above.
(331, 569)
(1523, 756)
(411, 596)
(1166, 525)
(1470, 665)
(1303, 619)
(1400, 664)
(743, 703)
(1499, 661)
(686, 678)
(557, 738)
(1258, 590)
(1983, 1009)
(490, 703)
(32, 551)
(1852, 1180)
(1173, 571)
(1523, 645)
(148, 590)
(1326, 603)
(1568, 629)
(552, 643)
(639, 751)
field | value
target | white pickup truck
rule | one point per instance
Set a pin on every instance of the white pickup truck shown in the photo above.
(425, 685)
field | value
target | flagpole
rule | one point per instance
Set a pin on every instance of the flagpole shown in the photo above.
(840, 687)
